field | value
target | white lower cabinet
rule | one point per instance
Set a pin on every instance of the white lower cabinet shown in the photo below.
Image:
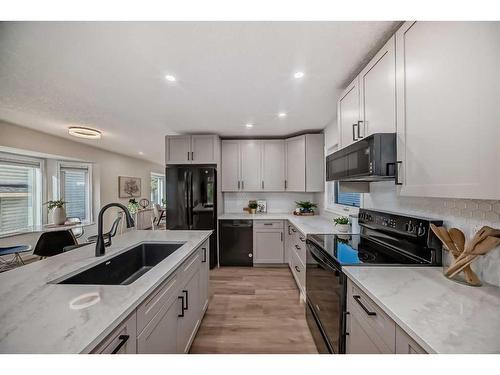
(370, 330)
(268, 242)
(159, 335)
(168, 319)
(122, 340)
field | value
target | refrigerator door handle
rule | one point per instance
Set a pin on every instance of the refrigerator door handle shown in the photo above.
(186, 196)
(190, 199)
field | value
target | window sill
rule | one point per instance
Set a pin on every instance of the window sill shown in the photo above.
(342, 210)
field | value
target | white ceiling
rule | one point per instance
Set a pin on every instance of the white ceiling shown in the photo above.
(110, 75)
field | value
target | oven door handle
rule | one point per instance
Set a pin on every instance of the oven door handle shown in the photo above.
(323, 262)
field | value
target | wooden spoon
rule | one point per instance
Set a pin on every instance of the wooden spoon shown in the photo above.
(449, 244)
(458, 238)
(480, 248)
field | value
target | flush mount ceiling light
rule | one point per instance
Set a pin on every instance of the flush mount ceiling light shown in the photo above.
(141, 153)
(299, 74)
(82, 132)
(170, 78)
(282, 114)
(249, 125)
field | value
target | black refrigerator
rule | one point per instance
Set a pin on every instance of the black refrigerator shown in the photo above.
(192, 201)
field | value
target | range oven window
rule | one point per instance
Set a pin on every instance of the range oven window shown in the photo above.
(325, 289)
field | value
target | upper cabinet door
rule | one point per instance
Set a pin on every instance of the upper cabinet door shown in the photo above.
(315, 162)
(377, 87)
(204, 149)
(448, 85)
(296, 163)
(348, 114)
(178, 149)
(273, 165)
(250, 156)
(230, 165)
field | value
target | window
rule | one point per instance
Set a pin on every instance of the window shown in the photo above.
(335, 197)
(20, 193)
(157, 188)
(347, 199)
(75, 187)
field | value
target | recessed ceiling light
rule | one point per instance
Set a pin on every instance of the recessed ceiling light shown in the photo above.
(82, 132)
(141, 153)
(299, 74)
(170, 78)
(282, 114)
(249, 125)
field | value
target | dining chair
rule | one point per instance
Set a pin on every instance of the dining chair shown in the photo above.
(54, 242)
(107, 236)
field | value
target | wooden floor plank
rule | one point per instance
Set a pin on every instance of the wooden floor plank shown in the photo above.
(253, 310)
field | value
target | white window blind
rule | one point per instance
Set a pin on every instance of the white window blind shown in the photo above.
(347, 199)
(20, 194)
(75, 191)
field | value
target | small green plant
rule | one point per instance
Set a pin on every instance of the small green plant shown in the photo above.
(164, 201)
(306, 206)
(252, 205)
(342, 220)
(53, 204)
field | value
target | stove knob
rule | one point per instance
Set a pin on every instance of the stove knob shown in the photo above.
(420, 230)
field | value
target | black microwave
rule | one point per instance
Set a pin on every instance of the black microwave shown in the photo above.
(370, 159)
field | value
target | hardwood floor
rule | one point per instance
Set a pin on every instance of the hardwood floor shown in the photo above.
(253, 310)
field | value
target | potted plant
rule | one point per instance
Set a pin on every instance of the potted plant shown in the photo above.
(306, 207)
(342, 224)
(58, 211)
(133, 206)
(252, 207)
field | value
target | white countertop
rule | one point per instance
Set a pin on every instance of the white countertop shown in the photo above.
(440, 315)
(306, 224)
(35, 317)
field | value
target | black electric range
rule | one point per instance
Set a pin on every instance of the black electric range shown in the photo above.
(385, 238)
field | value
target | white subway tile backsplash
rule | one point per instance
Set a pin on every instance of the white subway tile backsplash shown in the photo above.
(465, 214)
(276, 202)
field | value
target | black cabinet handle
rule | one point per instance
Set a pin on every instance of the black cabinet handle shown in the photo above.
(281, 236)
(238, 185)
(293, 230)
(188, 155)
(354, 132)
(358, 300)
(181, 315)
(123, 339)
(285, 184)
(297, 247)
(186, 293)
(268, 223)
(192, 155)
(396, 173)
(359, 128)
(297, 269)
(204, 260)
(302, 239)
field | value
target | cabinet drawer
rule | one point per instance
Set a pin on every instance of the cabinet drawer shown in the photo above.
(299, 272)
(405, 344)
(123, 340)
(377, 322)
(150, 307)
(268, 224)
(299, 246)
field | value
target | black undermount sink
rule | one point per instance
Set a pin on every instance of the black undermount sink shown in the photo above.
(125, 268)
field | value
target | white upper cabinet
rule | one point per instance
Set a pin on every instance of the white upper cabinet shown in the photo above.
(273, 165)
(448, 113)
(377, 88)
(192, 149)
(250, 156)
(230, 164)
(178, 149)
(204, 149)
(296, 164)
(315, 162)
(348, 114)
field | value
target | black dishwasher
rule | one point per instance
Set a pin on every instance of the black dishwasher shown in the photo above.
(236, 243)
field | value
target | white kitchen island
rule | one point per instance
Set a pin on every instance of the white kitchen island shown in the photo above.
(39, 316)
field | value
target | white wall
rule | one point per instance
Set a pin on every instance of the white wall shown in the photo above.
(276, 202)
(107, 166)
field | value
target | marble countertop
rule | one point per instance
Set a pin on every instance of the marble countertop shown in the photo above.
(440, 315)
(306, 224)
(36, 317)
